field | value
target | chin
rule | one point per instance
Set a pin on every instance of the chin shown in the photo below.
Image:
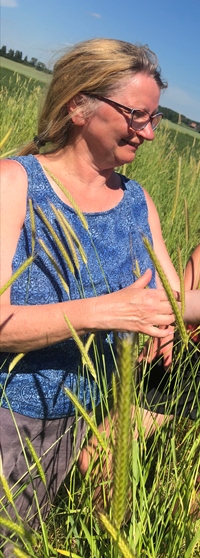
(126, 160)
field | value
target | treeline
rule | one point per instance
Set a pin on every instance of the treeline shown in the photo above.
(17, 56)
(177, 118)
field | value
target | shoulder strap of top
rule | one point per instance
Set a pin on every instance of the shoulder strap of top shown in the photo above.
(37, 180)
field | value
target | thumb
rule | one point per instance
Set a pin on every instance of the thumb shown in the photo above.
(143, 281)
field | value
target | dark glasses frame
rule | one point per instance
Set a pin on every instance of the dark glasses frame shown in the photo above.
(150, 118)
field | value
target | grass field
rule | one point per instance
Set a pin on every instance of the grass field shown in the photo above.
(162, 473)
(182, 129)
(27, 71)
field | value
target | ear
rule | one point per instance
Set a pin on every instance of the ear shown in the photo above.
(75, 109)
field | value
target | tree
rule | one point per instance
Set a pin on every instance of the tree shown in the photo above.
(3, 50)
(18, 55)
(33, 61)
(25, 59)
(11, 53)
(41, 66)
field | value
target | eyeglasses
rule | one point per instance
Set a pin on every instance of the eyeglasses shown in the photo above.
(138, 118)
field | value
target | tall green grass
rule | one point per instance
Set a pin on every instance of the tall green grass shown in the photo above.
(155, 479)
(19, 102)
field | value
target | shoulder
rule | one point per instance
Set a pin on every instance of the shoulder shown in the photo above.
(13, 176)
(21, 166)
(14, 184)
(12, 168)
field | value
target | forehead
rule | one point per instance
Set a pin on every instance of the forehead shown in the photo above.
(140, 88)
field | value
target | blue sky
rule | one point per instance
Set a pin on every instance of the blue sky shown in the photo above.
(42, 28)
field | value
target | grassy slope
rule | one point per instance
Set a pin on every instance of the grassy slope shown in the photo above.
(27, 71)
(182, 129)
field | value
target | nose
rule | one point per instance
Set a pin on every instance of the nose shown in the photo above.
(147, 133)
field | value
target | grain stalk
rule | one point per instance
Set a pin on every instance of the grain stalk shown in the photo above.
(36, 460)
(57, 240)
(4, 139)
(73, 235)
(186, 222)
(117, 538)
(182, 284)
(69, 197)
(177, 190)
(86, 417)
(125, 347)
(32, 219)
(55, 265)
(82, 348)
(15, 275)
(168, 290)
(67, 236)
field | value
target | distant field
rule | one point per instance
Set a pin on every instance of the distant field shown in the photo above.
(181, 129)
(13, 82)
(27, 71)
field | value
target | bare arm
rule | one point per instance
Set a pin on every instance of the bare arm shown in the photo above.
(158, 348)
(192, 271)
(192, 281)
(192, 307)
(160, 247)
(26, 328)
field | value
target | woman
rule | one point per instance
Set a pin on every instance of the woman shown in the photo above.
(100, 107)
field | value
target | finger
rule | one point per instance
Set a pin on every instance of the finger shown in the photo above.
(167, 360)
(146, 349)
(177, 296)
(154, 331)
(144, 280)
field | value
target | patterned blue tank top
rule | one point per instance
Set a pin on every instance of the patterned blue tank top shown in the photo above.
(113, 244)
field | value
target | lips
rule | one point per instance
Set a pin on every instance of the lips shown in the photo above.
(131, 143)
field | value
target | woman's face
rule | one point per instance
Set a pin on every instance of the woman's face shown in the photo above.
(106, 135)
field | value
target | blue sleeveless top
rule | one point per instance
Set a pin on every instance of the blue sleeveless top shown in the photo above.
(113, 244)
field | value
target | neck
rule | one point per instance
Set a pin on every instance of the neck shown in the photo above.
(93, 189)
(80, 167)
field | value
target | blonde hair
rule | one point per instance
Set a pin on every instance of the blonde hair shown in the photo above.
(91, 67)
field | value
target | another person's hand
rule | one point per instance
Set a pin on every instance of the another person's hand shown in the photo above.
(156, 348)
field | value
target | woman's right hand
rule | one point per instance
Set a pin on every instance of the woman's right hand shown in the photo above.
(136, 308)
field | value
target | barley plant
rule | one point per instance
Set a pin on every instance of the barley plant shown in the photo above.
(139, 498)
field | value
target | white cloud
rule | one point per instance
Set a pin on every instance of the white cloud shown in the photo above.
(8, 3)
(98, 16)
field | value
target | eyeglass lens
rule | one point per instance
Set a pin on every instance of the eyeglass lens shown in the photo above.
(140, 119)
